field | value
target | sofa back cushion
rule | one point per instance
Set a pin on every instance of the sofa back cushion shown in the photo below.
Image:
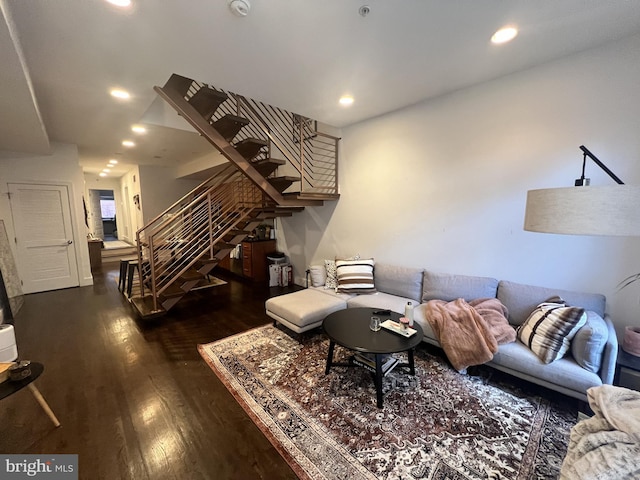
(401, 281)
(588, 344)
(448, 287)
(521, 299)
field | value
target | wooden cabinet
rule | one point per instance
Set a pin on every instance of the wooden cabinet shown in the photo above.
(254, 258)
(95, 254)
(627, 371)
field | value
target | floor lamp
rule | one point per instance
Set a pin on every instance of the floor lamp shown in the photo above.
(588, 210)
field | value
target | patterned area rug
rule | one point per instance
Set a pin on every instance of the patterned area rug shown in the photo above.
(437, 425)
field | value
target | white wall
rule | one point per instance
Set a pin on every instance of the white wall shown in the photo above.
(161, 189)
(61, 167)
(129, 188)
(442, 184)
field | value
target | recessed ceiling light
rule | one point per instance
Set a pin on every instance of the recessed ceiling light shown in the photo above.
(138, 129)
(118, 93)
(113, 161)
(120, 3)
(346, 100)
(504, 35)
(102, 174)
(128, 143)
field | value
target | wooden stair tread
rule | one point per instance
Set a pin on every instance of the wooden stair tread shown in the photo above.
(229, 126)
(172, 291)
(204, 262)
(250, 147)
(276, 209)
(179, 84)
(235, 232)
(318, 196)
(282, 183)
(206, 101)
(190, 275)
(267, 166)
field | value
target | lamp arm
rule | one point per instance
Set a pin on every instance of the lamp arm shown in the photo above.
(587, 153)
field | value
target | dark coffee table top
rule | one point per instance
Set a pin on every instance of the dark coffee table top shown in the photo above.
(350, 328)
(9, 388)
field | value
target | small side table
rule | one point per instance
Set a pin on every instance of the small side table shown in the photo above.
(8, 388)
(627, 371)
(95, 254)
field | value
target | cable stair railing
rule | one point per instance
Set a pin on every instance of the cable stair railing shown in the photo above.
(278, 163)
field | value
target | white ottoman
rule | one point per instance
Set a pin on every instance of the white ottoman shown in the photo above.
(304, 309)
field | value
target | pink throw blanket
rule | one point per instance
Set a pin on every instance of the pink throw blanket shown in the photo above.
(469, 333)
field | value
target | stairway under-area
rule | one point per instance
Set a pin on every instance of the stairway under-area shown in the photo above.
(277, 164)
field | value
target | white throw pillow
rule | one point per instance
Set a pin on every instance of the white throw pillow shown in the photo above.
(318, 275)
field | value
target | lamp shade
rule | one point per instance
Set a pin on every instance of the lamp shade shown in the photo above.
(602, 210)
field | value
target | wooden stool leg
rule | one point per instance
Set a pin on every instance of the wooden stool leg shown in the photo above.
(123, 274)
(132, 270)
(43, 403)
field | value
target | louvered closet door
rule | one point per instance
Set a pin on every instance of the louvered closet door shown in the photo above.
(44, 237)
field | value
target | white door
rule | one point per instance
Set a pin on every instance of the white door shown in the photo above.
(44, 237)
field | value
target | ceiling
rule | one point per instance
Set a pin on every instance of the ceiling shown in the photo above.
(61, 58)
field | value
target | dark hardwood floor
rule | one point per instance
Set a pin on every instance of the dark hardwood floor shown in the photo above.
(135, 399)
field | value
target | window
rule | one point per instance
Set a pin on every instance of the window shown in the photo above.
(108, 209)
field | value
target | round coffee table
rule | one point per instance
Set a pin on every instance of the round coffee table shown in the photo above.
(350, 329)
(9, 387)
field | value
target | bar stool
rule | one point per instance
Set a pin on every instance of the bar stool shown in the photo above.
(124, 269)
(132, 269)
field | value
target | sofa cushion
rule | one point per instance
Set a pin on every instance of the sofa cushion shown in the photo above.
(380, 301)
(448, 287)
(549, 329)
(588, 344)
(333, 293)
(401, 281)
(516, 359)
(303, 309)
(521, 299)
(355, 276)
(318, 274)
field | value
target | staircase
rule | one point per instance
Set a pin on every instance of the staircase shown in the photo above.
(278, 164)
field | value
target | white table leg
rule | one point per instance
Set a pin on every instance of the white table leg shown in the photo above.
(43, 403)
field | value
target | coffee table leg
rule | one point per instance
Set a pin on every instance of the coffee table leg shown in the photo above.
(330, 357)
(412, 368)
(43, 403)
(379, 380)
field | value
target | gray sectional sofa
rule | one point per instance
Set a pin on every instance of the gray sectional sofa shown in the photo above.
(590, 362)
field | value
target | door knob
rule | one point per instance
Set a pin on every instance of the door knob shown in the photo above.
(69, 242)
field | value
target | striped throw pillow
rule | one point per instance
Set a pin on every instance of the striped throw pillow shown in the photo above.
(355, 276)
(549, 329)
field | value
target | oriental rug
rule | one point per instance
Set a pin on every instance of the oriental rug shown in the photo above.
(437, 424)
